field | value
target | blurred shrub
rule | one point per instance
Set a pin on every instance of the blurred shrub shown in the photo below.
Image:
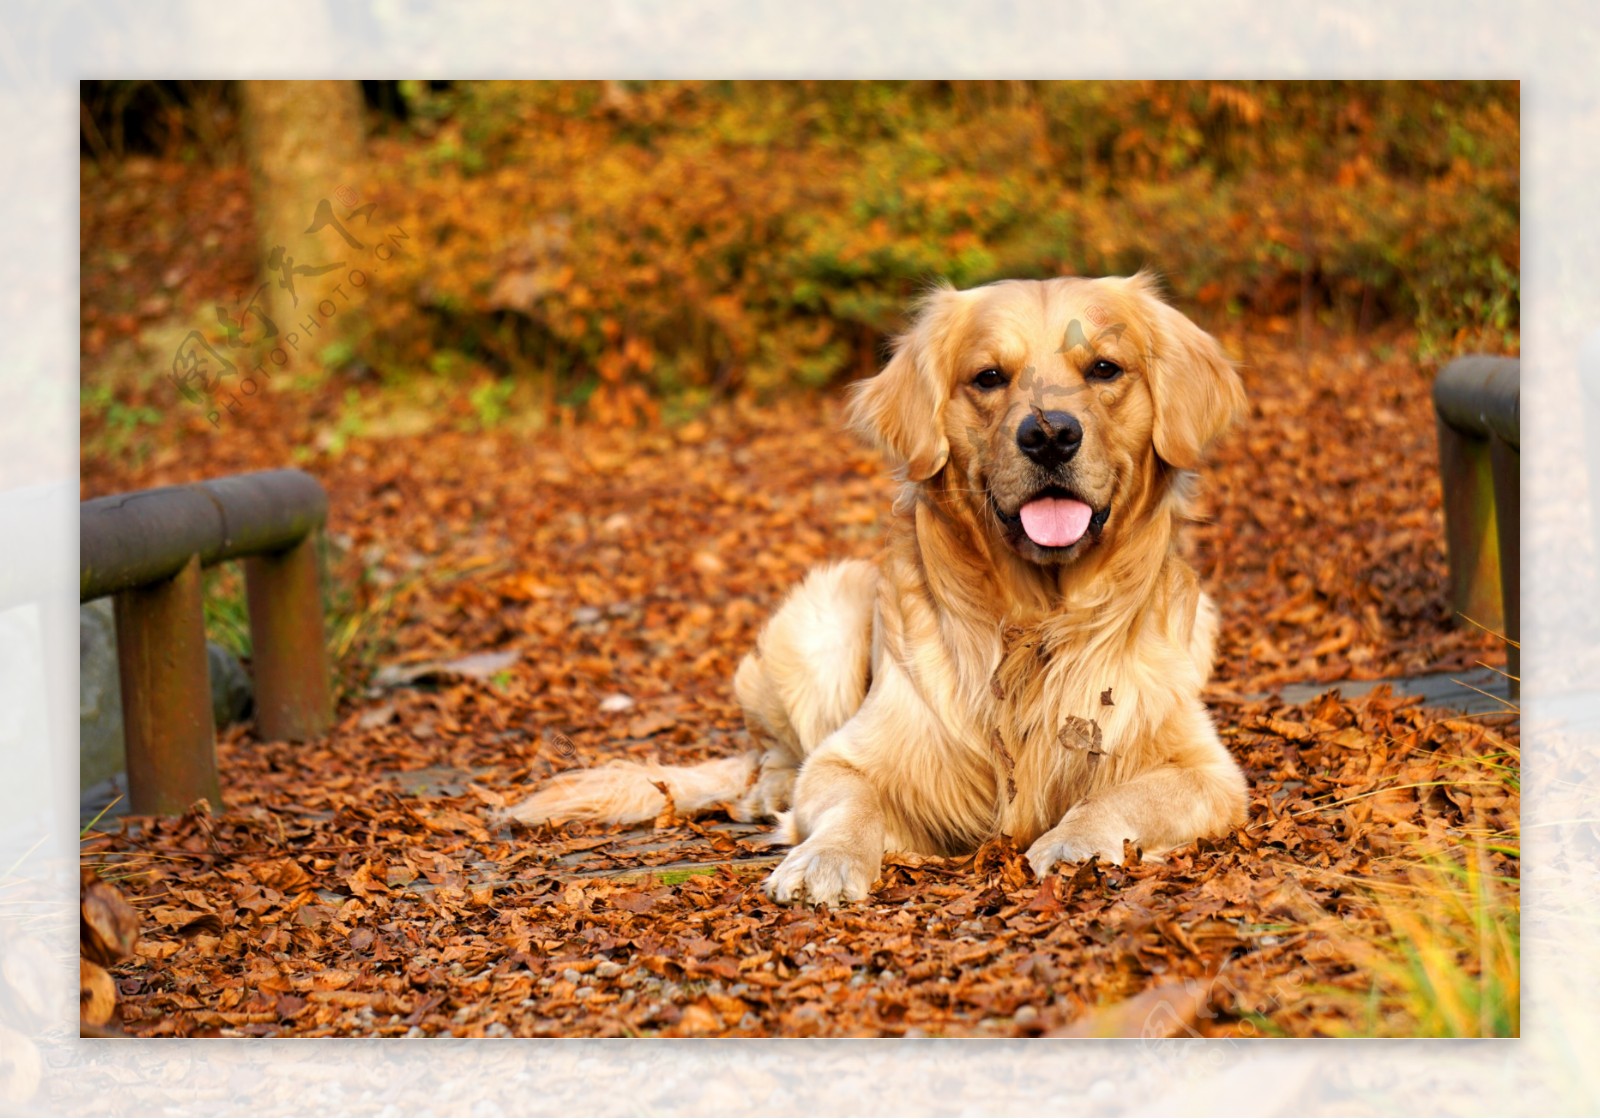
(173, 119)
(625, 240)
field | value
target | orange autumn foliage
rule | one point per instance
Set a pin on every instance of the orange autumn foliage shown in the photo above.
(627, 241)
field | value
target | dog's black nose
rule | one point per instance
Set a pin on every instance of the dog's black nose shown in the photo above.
(1049, 438)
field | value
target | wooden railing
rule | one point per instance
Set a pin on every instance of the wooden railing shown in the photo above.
(147, 549)
(1477, 401)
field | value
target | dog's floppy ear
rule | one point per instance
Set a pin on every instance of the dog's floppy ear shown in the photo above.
(901, 410)
(1196, 393)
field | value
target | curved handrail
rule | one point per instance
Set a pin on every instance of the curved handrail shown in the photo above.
(147, 549)
(129, 540)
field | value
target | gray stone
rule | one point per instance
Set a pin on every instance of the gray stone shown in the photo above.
(102, 754)
(231, 691)
(100, 747)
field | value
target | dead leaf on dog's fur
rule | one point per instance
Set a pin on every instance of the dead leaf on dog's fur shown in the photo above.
(1078, 733)
(997, 744)
(668, 816)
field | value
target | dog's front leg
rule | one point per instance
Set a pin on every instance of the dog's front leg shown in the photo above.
(840, 820)
(1198, 791)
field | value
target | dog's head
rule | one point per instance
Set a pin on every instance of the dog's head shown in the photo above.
(1053, 408)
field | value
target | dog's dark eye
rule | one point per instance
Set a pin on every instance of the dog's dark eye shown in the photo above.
(990, 379)
(1103, 370)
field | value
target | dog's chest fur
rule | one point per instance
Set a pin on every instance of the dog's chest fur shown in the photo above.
(1072, 710)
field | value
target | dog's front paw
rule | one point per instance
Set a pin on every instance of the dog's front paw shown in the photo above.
(822, 874)
(1074, 842)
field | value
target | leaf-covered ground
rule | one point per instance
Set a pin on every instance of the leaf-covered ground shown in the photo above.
(352, 885)
(330, 899)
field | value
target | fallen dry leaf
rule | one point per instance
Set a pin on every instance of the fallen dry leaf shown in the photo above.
(97, 994)
(109, 926)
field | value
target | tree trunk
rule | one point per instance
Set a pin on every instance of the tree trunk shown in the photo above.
(303, 142)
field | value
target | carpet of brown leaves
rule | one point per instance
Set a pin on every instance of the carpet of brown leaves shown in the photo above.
(352, 886)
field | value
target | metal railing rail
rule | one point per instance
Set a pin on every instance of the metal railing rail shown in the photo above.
(147, 549)
(1477, 402)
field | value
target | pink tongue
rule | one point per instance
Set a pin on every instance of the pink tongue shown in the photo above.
(1055, 522)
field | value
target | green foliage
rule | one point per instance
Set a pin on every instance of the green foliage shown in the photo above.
(119, 416)
(632, 240)
(227, 617)
(113, 428)
(359, 613)
(674, 877)
(1451, 966)
(336, 355)
(352, 422)
(491, 403)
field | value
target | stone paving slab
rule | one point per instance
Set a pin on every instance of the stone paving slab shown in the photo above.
(1480, 691)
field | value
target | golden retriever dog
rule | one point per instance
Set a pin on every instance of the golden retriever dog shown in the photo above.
(1026, 656)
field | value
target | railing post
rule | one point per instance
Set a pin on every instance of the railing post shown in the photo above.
(166, 695)
(289, 652)
(1478, 403)
(1506, 464)
(1470, 528)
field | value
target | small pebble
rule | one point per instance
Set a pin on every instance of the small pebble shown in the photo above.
(605, 969)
